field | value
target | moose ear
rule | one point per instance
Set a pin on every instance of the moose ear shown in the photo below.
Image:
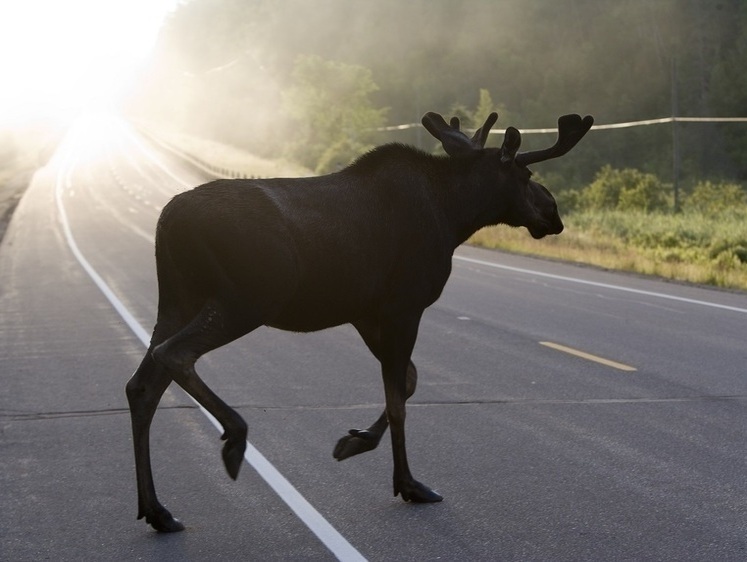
(511, 144)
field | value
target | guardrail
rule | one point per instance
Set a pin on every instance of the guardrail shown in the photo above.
(218, 172)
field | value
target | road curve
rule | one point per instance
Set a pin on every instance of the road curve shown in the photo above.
(565, 413)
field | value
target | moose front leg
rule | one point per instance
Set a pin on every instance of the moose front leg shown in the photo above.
(362, 440)
(404, 483)
(398, 340)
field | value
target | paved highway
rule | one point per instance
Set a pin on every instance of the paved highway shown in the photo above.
(565, 413)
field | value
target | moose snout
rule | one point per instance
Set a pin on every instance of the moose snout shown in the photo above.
(558, 228)
(546, 227)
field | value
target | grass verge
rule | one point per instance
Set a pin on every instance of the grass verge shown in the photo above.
(688, 247)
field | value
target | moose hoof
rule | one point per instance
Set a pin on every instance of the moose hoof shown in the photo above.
(163, 522)
(417, 493)
(358, 441)
(233, 455)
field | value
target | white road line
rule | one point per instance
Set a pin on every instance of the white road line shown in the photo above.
(63, 179)
(324, 531)
(602, 285)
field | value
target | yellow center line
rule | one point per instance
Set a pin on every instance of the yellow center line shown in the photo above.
(589, 356)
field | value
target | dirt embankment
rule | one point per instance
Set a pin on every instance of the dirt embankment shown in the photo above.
(22, 152)
(11, 192)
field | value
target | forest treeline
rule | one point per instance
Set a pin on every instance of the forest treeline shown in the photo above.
(313, 81)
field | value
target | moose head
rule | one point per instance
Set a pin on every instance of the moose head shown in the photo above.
(526, 203)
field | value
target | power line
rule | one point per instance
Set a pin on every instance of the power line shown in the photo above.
(608, 126)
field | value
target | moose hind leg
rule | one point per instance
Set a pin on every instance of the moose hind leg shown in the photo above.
(359, 441)
(211, 328)
(144, 391)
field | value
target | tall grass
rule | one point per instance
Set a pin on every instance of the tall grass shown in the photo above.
(691, 246)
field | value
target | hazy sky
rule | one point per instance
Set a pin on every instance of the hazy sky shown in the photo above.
(60, 56)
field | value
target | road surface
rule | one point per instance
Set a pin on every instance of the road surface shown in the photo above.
(565, 413)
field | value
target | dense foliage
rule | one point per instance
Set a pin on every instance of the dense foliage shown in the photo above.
(277, 76)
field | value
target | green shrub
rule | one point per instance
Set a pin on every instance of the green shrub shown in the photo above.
(715, 198)
(627, 190)
(568, 200)
(735, 248)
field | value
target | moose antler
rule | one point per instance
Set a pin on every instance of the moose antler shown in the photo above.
(571, 129)
(454, 141)
(481, 134)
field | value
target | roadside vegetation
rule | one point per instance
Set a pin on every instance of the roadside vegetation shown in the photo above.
(624, 220)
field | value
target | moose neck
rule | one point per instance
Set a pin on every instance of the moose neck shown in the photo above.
(472, 195)
(462, 194)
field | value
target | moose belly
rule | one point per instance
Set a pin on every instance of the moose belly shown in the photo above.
(332, 288)
(311, 311)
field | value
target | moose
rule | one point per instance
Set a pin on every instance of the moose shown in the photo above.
(370, 245)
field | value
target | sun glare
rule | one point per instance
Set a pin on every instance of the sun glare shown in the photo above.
(58, 58)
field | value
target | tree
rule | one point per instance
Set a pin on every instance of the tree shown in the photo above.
(334, 117)
(485, 107)
(225, 63)
(729, 93)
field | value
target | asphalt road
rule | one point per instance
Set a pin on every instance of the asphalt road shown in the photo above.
(565, 413)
